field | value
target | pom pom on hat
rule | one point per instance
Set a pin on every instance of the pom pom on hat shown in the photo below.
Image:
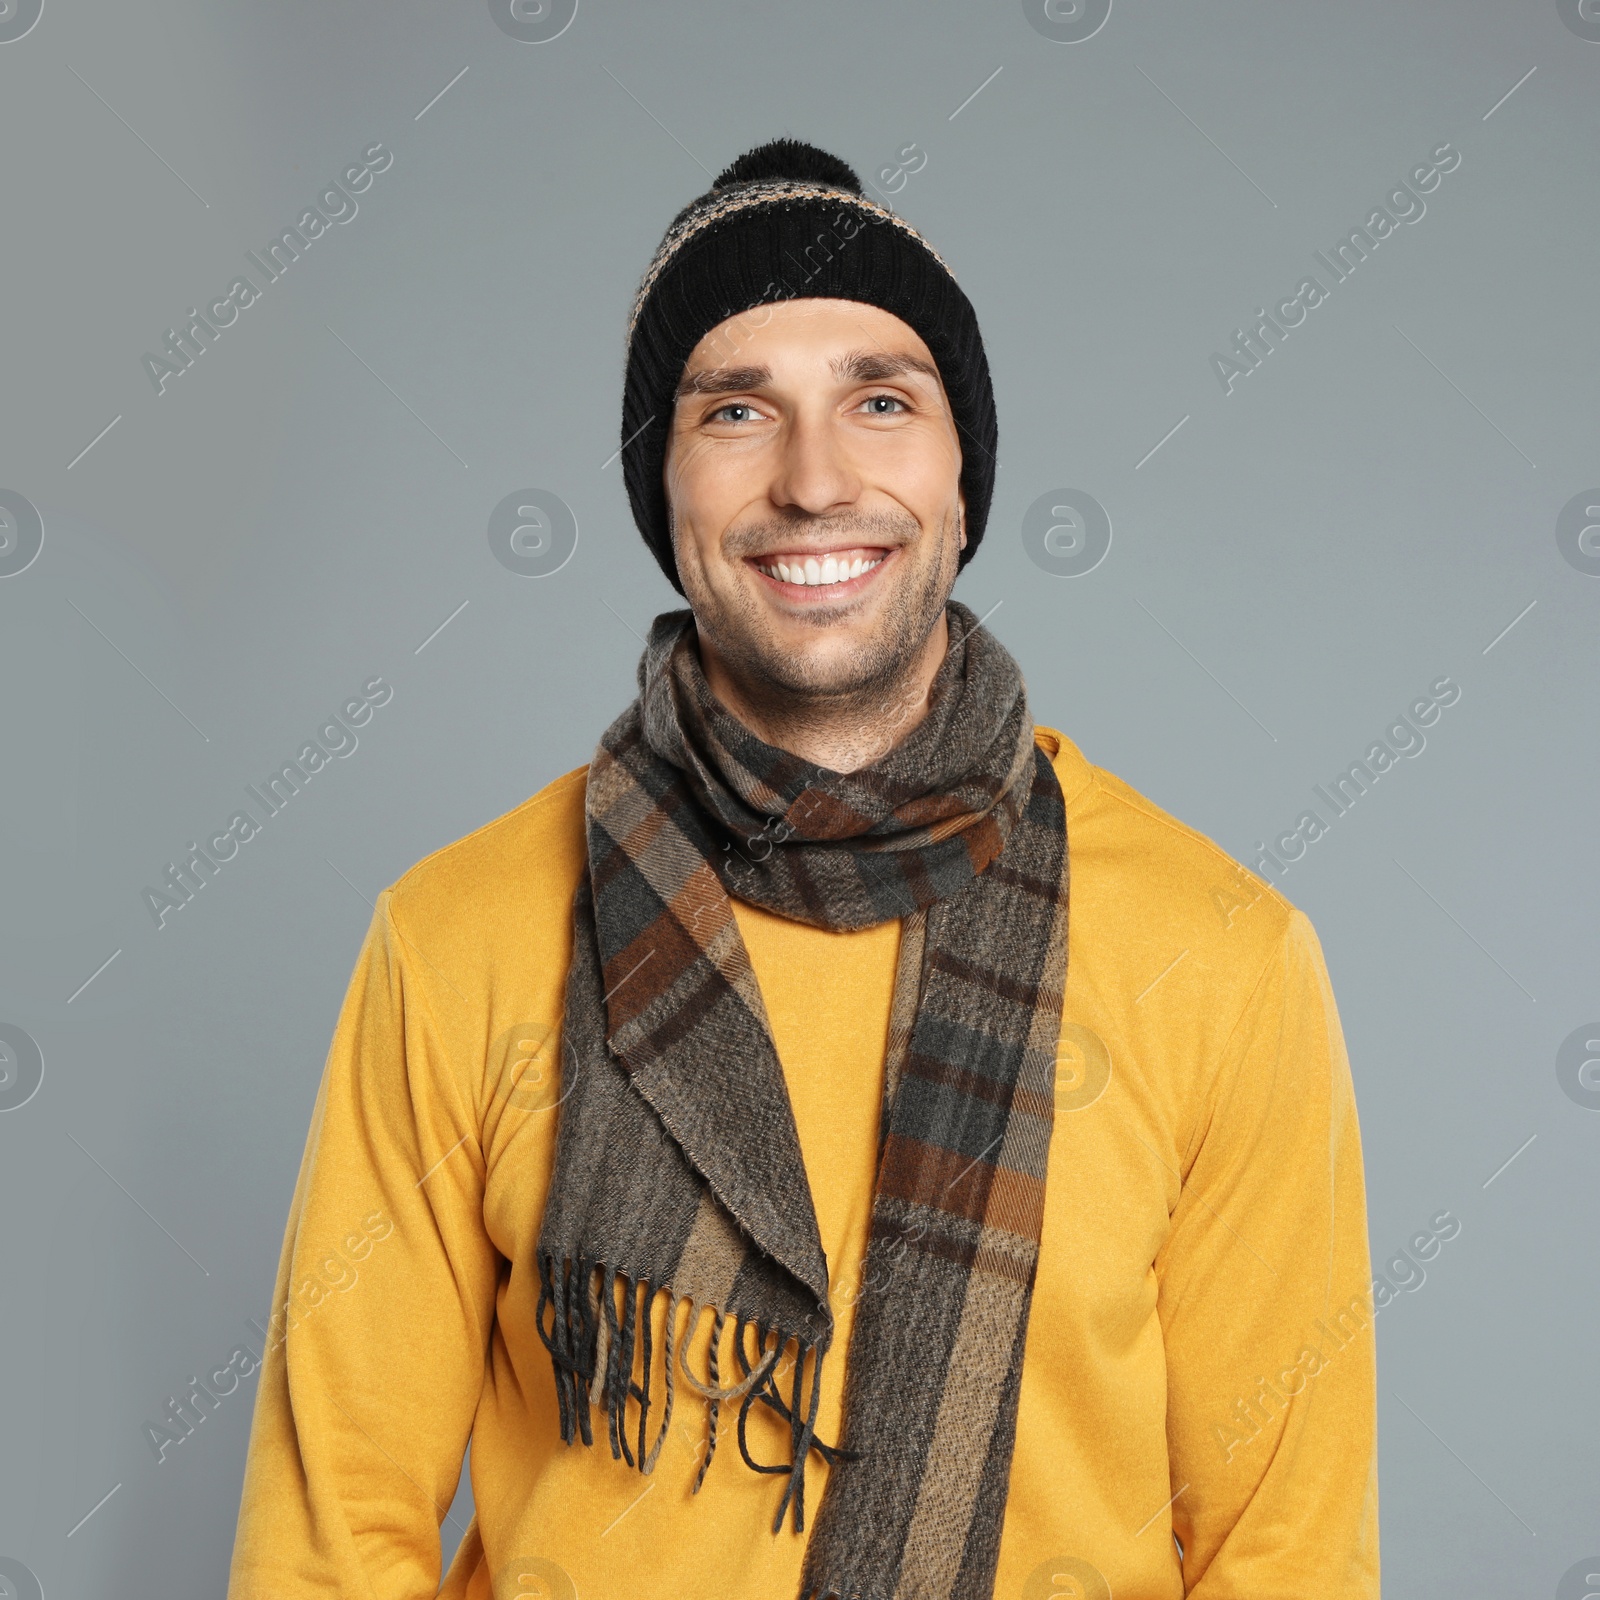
(789, 158)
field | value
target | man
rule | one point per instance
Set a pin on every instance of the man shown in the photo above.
(840, 1142)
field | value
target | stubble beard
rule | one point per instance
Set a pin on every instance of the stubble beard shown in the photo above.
(854, 691)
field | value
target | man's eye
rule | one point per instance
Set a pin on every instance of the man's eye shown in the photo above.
(877, 403)
(723, 412)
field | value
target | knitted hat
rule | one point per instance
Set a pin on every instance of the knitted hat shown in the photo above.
(786, 221)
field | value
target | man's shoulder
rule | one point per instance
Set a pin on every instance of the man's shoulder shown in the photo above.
(1140, 874)
(522, 865)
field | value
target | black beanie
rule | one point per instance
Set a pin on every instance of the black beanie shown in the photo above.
(786, 221)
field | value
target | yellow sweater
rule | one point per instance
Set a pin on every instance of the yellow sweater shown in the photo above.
(1199, 1360)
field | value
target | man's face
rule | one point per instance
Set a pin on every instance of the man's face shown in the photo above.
(812, 472)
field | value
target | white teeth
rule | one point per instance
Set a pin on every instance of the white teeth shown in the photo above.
(830, 570)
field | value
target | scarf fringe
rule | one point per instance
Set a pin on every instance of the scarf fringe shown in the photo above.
(592, 1352)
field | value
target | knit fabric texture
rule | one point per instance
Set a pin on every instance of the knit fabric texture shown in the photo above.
(678, 1167)
(788, 221)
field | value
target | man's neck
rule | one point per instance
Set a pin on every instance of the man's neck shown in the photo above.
(839, 732)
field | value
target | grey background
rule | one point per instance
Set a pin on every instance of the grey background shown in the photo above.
(305, 507)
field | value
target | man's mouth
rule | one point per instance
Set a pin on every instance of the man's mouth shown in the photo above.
(810, 570)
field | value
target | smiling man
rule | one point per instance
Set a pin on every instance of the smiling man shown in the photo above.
(817, 521)
(839, 1142)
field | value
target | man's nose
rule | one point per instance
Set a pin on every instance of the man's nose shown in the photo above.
(814, 471)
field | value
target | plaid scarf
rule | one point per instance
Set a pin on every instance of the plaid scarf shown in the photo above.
(677, 1162)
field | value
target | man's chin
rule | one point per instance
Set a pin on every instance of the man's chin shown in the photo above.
(820, 655)
(813, 669)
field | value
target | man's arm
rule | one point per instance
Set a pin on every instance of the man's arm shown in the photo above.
(382, 1310)
(1266, 1307)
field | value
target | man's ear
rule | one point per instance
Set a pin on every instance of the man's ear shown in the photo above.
(961, 501)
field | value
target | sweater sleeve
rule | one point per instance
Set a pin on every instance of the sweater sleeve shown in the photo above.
(382, 1310)
(1266, 1310)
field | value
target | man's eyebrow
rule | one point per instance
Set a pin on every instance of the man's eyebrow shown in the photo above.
(859, 366)
(724, 380)
(870, 366)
